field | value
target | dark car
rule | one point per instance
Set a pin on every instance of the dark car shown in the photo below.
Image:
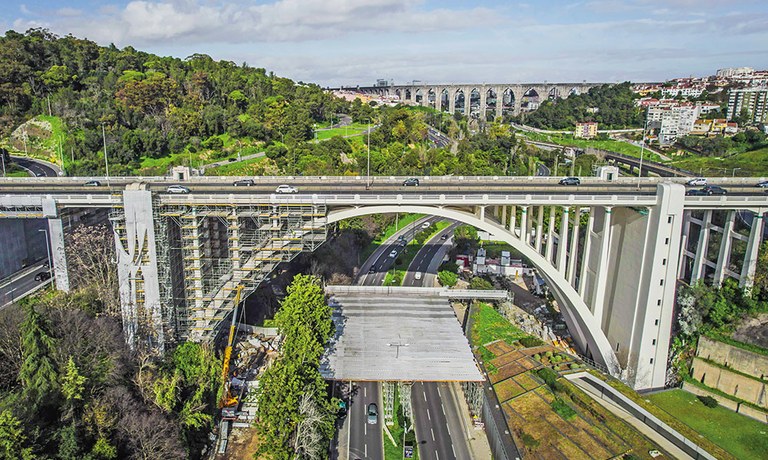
(411, 181)
(372, 270)
(714, 190)
(762, 184)
(92, 183)
(695, 192)
(42, 276)
(570, 181)
(243, 183)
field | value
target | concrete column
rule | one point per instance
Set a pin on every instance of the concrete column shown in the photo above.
(504, 216)
(562, 247)
(499, 102)
(574, 255)
(550, 234)
(58, 256)
(602, 269)
(539, 227)
(518, 101)
(524, 224)
(452, 100)
(513, 220)
(587, 252)
(701, 248)
(750, 258)
(481, 213)
(438, 100)
(483, 97)
(684, 244)
(725, 249)
(234, 240)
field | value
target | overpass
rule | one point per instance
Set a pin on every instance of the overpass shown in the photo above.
(483, 99)
(610, 251)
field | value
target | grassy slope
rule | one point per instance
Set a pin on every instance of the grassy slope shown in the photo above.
(752, 164)
(612, 145)
(741, 436)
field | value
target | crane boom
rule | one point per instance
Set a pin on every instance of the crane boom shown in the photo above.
(227, 398)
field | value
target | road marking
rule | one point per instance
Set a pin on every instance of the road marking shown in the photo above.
(365, 392)
(438, 392)
(441, 405)
(365, 428)
(425, 396)
(365, 450)
(453, 450)
(430, 418)
(433, 433)
(437, 456)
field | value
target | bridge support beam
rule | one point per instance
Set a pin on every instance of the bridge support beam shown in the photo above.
(58, 254)
(755, 238)
(562, 246)
(724, 256)
(701, 247)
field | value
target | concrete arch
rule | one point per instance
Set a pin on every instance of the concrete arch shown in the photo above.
(459, 101)
(418, 96)
(445, 100)
(582, 324)
(408, 94)
(474, 102)
(491, 103)
(431, 98)
(554, 93)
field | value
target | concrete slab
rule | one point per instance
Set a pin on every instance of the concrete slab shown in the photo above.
(397, 337)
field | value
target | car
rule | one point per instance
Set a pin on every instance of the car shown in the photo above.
(425, 225)
(695, 192)
(244, 183)
(373, 414)
(570, 181)
(417, 276)
(177, 189)
(286, 189)
(714, 190)
(92, 183)
(372, 270)
(411, 182)
(762, 184)
(42, 276)
(444, 236)
(393, 254)
(696, 181)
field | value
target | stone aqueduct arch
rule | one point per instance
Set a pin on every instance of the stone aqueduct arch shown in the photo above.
(417, 94)
(583, 325)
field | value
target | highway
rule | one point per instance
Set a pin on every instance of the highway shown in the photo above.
(21, 284)
(36, 168)
(365, 439)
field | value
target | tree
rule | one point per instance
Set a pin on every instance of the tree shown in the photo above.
(90, 253)
(12, 438)
(480, 283)
(447, 278)
(38, 371)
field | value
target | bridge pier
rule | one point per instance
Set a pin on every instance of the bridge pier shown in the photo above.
(58, 254)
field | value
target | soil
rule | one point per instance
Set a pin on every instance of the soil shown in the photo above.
(753, 331)
(242, 444)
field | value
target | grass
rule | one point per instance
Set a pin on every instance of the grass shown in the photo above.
(489, 325)
(749, 164)
(355, 129)
(740, 435)
(610, 144)
(238, 168)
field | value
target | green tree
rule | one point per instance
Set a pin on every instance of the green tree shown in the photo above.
(12, 438)
(480, 283)
(38, 374)
(447, 278)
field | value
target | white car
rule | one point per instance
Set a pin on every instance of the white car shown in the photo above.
(417, 276)
(286, 189)
(393, 254)
(425, 225)
(177, 189)
(697, 181)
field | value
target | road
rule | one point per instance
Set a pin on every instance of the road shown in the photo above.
(365, 439)
(429, 257)
(20, 284)
(35, 167)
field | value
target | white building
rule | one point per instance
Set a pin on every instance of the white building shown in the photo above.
(734, 71)
(684, 91)
(672, 121)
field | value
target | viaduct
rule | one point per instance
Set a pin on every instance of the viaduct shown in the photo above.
(611, 252)
(484, 100)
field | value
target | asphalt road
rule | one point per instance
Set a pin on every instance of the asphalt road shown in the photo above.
(20, 283)
(439, 432)
(428, 258)
(35, 168)
(365, 439)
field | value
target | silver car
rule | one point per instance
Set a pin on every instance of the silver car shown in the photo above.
(286, 189)
(373, 414)
(177, 189)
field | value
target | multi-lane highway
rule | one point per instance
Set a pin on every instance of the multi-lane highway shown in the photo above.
(35, 167)
(21, 283)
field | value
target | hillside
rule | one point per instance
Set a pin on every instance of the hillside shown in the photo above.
(194, 109)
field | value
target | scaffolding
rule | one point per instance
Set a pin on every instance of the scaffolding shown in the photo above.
(473, 394)
(388, 396)
(207, 250)
(405, 399)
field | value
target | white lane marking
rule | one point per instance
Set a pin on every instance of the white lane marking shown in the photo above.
(453, 450)
(365, 429)
(441, 405)
(447, 428)
(437, 456)
(365, 392)
(438, 392)
(365, 450)
(425, 396)
(433, 433)
(428, 416)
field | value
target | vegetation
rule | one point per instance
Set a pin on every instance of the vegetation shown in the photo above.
(753, 163)
(614, 103)
(740, 435)
(489, 325)
(446, 278)
(603, 144)
(718, 145)
(295, 416)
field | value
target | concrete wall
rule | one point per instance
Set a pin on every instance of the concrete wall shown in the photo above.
(21, 244)
(735, 358)
(728, 403)
(748, 389)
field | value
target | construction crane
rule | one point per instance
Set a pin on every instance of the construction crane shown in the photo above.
(227, 398)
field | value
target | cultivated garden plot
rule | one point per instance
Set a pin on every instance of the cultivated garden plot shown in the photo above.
(499, 347)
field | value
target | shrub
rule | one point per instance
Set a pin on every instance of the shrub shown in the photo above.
(480, 283)
(547, 375)
(531, 342)
(708, 401)
(447, 278)
(528, 440)
(562, 408)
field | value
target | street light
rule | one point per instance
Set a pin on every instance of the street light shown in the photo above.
(368, 176)
(642, 150)
(733, 174)
(106, 162)
(48, 251)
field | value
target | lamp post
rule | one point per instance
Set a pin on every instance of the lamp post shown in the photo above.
(48, 251)
(106, 161)
(642, 150)
(733, 174)
(368, 174)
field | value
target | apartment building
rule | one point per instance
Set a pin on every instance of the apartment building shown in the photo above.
(586, 130)
(672, 121)
(752, 100)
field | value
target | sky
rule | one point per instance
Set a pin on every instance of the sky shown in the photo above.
(356, 42)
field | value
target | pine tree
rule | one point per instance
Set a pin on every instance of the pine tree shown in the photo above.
(38, 375)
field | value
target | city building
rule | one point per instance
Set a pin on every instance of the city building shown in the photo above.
(734, 71)
(751, 100)
(672, 121)
(586, 130)
(683, 91)
(701, 127)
